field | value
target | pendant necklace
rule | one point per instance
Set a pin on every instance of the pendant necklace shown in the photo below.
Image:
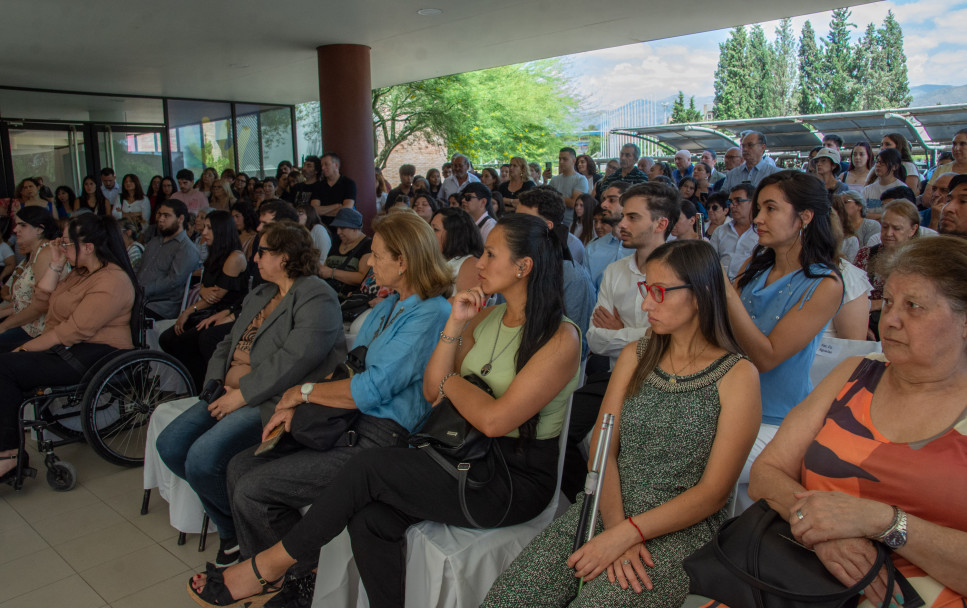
(488, 365)
(675, 375)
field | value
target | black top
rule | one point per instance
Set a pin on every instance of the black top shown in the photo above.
(504, 189)
(236, 288)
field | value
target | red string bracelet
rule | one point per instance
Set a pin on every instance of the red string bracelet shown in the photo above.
(632, 522)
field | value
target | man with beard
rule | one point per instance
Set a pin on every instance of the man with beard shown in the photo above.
(954, 221)
(168, 260)
(607, 249)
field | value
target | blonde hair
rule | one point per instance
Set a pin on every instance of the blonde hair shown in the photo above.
(521, 165)
(408, 236)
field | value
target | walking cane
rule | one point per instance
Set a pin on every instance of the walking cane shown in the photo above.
(592, 487)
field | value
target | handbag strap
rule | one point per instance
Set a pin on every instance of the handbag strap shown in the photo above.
(882, 558)
(461, 471)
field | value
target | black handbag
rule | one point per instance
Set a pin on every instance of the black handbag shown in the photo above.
(455, 444)
(320, 427)
(754, 561)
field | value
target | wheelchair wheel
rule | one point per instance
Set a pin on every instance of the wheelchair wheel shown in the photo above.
(122, 395)
(62, 476)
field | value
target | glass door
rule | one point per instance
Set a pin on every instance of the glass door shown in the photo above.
(134, 150)
(53, 153)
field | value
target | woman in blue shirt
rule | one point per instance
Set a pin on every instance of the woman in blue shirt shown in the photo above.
(267, 491)
(788, 291)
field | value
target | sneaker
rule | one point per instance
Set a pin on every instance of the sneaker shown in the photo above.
(296, 593)
(227, 552)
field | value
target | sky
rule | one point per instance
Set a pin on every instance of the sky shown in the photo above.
(933, 38)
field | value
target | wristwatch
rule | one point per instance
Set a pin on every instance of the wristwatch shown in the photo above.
(895, 536)
(306, 390)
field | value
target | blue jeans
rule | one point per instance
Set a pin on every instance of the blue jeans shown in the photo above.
(197, 448)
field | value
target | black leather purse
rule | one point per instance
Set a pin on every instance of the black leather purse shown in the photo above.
(455, 444)
(320, 427)
(753, 561)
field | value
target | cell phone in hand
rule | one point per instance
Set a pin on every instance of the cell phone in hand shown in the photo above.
(272, 440)
(212, 391)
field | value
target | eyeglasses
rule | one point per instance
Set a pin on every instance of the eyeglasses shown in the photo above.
(260, 250)
(66, 243)
(467, 197)
(714, 208)
(657, 292)
(739, 201)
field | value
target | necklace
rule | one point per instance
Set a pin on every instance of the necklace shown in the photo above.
(488, 365)
(671, 364)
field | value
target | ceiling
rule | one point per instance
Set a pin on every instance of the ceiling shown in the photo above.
(246, 50)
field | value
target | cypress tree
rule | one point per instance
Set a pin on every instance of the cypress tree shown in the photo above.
(810, 60)
(732, 80)
(763, 100)
(894, 63)
(838, 69)
(785, 69)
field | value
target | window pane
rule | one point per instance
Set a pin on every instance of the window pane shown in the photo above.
(131, 152)
(201, 135)
(46, 154)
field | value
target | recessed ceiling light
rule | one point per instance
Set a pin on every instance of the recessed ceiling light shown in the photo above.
(429, 11)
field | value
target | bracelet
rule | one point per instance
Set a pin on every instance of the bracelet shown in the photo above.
(332, 273)
(632, 522)
(450, 339)
(54, 268)
(442, 382)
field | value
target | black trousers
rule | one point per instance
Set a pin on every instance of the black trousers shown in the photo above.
(22, 371)
(585, 406)
(194, 348)
(382, 491)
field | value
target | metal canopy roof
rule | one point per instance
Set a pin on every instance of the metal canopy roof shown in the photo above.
(926, 128)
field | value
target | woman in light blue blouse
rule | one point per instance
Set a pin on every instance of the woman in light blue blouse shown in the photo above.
(268, 490)
(786, 294)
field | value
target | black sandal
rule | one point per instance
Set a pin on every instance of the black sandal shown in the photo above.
(11, 475)
(216, 593)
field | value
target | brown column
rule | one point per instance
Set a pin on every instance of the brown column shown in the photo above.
(345, 101)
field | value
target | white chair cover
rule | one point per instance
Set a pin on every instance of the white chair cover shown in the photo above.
(446, 566)
(185, 511)
(832, 351)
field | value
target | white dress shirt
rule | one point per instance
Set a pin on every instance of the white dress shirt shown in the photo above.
(619, 290)
(733, 249)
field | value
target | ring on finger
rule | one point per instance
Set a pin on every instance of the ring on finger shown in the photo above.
(800, 515)
(626, 562)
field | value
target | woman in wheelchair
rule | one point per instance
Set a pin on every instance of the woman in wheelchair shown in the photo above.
(88, 317)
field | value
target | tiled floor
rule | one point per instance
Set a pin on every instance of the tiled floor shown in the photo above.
(91, 547)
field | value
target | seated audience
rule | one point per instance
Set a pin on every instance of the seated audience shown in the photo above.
(863, 227)
(490, 178)
(582, 226)
(873, 453)
(898, 142)
(425, 205)
(607, 247)
(289, 331)
(268, 490)
(222, 197)
(320, 234)
(889, 173)
(65, 200)
(132, 203)
(736, 239)
(718, 212)
(519, 182)
(954, 221)
(169, 259)
(88, 311)
(91, 198)
(224, 284)
(689, 223)
(860, 165)
(28, 195)
(899, 224)
(476, 200)
(826, 167)
(665, 493)
(22, 320)
(849, 243)
(129, 234)
(382, 491)
(247, 225)
(784, 296)
(206, 182)
(436, 183)
(460, 244)
(187, 194)
(958, 163)
(344, 266)
(852, 318)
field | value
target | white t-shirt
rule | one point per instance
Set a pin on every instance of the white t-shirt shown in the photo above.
(142, 206)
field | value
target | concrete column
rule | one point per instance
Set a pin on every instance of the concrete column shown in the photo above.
(345, 100)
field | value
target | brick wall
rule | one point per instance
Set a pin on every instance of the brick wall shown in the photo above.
(417, 152)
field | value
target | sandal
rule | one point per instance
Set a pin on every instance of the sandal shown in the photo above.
(11, 475)
(216, 593)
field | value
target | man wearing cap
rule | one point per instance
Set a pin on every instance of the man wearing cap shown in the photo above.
(344, 270)
(835, 142)
(826, 167)
(954, 220)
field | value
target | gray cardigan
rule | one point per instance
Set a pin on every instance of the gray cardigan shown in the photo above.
(301, 341)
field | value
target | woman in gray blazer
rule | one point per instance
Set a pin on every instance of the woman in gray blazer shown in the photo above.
(289, 331)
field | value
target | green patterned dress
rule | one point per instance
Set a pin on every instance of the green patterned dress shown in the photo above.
(666, 434)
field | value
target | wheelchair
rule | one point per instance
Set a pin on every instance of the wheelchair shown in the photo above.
(109, 408)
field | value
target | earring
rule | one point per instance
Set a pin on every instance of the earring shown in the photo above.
(519, 275)
(399, 274)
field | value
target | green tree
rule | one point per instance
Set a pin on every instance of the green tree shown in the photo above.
(837, 80)
(732, 78)
(894, 63)
(869, 74)
(762, 91)
(681, 114)
(784, 68)
(810, 62)
(406, 110)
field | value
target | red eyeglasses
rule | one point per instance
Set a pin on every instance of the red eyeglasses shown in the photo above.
(657, 292)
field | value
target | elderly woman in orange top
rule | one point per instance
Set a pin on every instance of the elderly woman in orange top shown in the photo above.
(878, 451)
(88, 317)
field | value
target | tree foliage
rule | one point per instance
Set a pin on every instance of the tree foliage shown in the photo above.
(732, 78)
(838, 75)
(785, 67)
(810, 63)
(761, 65)
(682, 114)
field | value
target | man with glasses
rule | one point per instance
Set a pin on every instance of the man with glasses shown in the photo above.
(735, 239)
(168, 261)
(755, 166)
(459, 178)
(475, 200)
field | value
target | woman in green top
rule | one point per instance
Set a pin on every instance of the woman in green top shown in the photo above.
(527, 352)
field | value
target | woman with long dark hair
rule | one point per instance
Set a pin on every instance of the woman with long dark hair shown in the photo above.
(860, 166)
(582, 226)
(899, 143)
(224, 283)
(321, 238)
(586, 166)
(526, 352)
(132, 203)
(28, 195)
(785, 296)
(92, 198)
(35, 228)
(460, 243)
(888, 173)
(89, 311)
(665, 492)
(247, 225)
(65, 199)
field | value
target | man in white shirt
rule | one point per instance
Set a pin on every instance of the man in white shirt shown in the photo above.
(459, 177)
(755, 166)
(568, 182)
(736, 238)
(650, 210)
(110, 187)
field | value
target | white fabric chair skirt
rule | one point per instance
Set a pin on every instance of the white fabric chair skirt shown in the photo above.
(185, 510)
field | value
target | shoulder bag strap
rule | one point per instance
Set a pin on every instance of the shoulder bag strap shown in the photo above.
(460, 473)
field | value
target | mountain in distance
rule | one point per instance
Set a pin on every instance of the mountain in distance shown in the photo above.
(937, 94)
